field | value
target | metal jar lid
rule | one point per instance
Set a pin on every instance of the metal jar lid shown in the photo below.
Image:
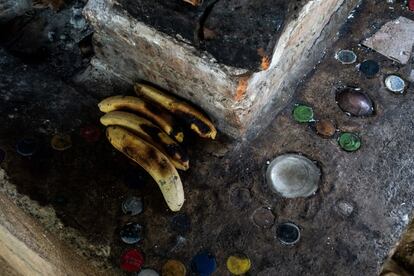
(293, 175)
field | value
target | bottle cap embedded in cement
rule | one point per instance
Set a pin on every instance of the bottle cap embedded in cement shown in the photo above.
(132, 206)
(346, 56)
(148, 272)
(132, 260)
(288, 233)
(293, 175)
(204, 263)
(369, 68)
(238, 264)
(395, 84)
(26, 146)
(131, 233)
(173, 268)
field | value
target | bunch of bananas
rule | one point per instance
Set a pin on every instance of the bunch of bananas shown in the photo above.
(150, 135)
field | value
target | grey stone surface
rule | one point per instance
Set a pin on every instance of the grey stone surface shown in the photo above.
(10, 9)
(234, 98)
(394, 40)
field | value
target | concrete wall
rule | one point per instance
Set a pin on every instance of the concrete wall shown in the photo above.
(234, 98)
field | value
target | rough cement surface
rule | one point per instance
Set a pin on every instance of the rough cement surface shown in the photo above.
(225, 184)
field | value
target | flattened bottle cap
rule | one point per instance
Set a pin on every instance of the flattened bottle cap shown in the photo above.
(325, 128)
(346, 56)
(288, 233)
(148, 272)
(131, 233)
(302, 113)
(61, 142)
(132, 260)
(238, 264)
(204, 263)
(173, 268)
(132, 206)
(263, 217)
(26, 146)
(395, 84)
(369, 68)
(349, 141)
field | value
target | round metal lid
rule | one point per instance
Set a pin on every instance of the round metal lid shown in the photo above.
(293, 175)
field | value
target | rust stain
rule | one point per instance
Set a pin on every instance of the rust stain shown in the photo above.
(265, 59)
(265, 63)
(241, 88)
(193, 2)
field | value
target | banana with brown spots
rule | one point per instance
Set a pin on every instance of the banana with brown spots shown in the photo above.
(158, 116)
(150, 133)
(153, 161)
(198, 122)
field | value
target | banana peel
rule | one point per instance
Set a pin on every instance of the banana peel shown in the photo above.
(153, 161)
(163, 119)
(151, 134)
(198, 122)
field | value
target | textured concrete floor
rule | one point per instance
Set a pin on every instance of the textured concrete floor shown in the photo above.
(225, 184)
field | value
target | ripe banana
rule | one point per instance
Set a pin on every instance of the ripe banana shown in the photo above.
(150, 133)
(198, 122)
(153, 161)
(157, 115)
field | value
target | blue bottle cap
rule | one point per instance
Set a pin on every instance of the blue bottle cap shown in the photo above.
(204, 263)
(131, 233)
(26, 146)
(132, 206)
(369, 68)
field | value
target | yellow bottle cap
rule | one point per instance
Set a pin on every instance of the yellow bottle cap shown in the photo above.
(173, 268)
(61, 142)
(238, 264)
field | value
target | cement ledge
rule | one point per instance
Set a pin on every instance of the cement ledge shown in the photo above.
(234, 98)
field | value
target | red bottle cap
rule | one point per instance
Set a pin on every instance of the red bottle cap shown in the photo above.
(91, 134)
(132, 260)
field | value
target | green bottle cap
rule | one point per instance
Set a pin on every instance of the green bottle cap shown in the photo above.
(349, 141)
(303, 114)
